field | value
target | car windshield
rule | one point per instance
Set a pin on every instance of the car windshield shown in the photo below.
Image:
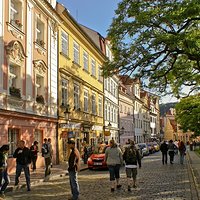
(142, 145)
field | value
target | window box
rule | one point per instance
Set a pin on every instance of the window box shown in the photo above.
(40, 99)
(40, 42)
(16, 23)
(15, 92)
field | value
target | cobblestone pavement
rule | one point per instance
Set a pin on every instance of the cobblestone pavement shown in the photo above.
(155, 182)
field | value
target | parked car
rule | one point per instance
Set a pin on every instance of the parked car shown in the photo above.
(144, 147)
(151, 148)
(156, 146)
(96, 160)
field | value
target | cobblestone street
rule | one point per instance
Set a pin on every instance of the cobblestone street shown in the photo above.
(155, 181)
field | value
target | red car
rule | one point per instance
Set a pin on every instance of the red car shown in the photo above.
(96, 160)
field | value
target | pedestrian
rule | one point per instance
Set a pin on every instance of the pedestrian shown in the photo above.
(23, 159)
(182, 150)
(164, 150)
(51, 151)
(47, 158)
(4, 178)
(132, 158)
(114, 159)
(34, 154)
(73, 169)
(171, 148)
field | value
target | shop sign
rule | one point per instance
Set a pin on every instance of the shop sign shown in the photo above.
(97, 128)
(107, 133)
(70, 125)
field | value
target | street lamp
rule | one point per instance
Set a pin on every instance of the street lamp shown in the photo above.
(67, 112)
(121, 132)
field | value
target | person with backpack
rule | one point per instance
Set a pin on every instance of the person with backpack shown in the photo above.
(132, 158)
(4, 178)
(46, 153)
(182, 150)
(171, 148)
(34, 154)
(114, 160)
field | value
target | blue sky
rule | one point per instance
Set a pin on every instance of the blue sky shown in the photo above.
(95, 14)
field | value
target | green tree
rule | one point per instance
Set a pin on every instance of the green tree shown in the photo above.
(159, 41)
(188, 114)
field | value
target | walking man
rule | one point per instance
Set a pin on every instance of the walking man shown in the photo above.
(132, 158)
(74, 167)
(23, 159)
(46, 153)
(164, 150)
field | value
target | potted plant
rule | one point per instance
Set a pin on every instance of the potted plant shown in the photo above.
(40, 99)
(15, 92)
(18, 23)
(40, 42)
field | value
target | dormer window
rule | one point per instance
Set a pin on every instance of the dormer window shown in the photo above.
(16, 13)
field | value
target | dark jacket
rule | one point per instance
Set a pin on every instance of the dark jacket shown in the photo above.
(34, 151)
(164, 147)
(23, 156)
(137, 155)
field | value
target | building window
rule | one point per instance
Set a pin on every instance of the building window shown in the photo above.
(13, 138)
(100, 77)
(106, 112)
(64, 85)
(38, 136)
(76, 97)
(86, 102)
(85, 61)
(93, 67)
(121, 108)
(15, 80)
(100, 107)
(39, 89)
(106, 84)
(64, 43)
(93, 104)
(111, 114)
(16, 13)
(40, 32)
(76, 53)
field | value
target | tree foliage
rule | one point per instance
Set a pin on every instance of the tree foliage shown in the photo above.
(188, 114)
(159, 41)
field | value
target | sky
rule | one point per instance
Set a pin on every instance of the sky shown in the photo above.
(97, 15)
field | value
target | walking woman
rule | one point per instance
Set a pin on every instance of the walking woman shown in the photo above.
(182, 150)
(4, 178)
(34, 154)
(114, 159)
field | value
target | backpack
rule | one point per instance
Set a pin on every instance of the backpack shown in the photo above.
(130, 156)
(45, 149)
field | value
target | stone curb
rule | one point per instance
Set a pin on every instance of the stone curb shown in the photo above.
(194, 174)
(39, 181)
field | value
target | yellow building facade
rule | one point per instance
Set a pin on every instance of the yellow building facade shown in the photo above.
(80, 93)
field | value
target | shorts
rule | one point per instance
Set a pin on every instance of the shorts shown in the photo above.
(131, 173)
(114, 172)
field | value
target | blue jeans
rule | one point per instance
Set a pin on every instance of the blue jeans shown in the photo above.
(114, 172)
(4, 178)
(19, 168)
(74, 184)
